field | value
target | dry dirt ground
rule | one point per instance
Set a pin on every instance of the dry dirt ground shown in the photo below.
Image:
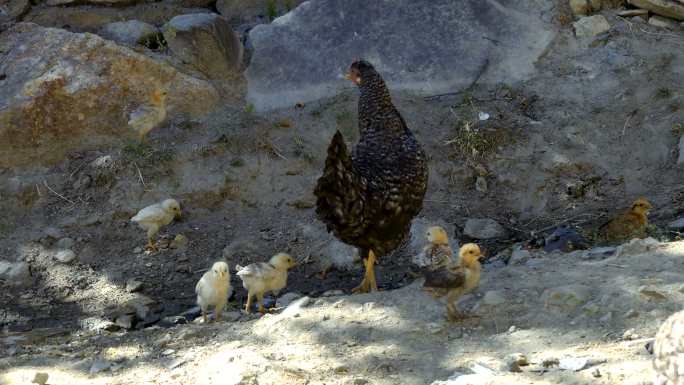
(597, 126)
(557, 310)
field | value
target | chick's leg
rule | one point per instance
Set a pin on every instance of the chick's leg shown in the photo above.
(248, 305)
(150, 236)
(368, 284)
(204, 316)
(452, 310)
(260, 300)
(217, 311)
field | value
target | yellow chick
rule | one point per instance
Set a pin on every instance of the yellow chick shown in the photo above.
(437, 251)
(456, 279)
(213, 289)
(629, 224)
(146, 117)
(153, 217)
(260, 277)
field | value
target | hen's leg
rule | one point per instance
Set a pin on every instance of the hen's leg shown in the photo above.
(368, 284)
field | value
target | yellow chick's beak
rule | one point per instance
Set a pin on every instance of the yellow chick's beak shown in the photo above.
(348, 76)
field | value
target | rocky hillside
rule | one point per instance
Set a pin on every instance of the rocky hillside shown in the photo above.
(534, 115)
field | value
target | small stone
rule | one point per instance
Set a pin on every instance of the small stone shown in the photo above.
(493, 298)
(483, 228)
(577, 364)
(596, 373)
(580, 7)
(168, 352)
(176, 363)
(99, 366)
(591, 26)
(357, 381)
(65, 256)
(434, 328)
(287, 298)
(519, 257)
(515, 361)
(65, 243)
(632, 314)
(663, 22)
(481, 184)
(52, 232)
(138, 250)
(566, 298)
(179, 242)
(341, 369)
(15, 274)
(40, 378)
(130, 32)
(332, 293)
(133, 285)
(124, 321)
(512, 329)
(679, 223)
(630, 335)
(652, 293)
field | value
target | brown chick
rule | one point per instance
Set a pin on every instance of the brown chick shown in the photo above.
(437, 251)
(146, 117)
(213, 289)
(629, 224)
(261, 277)
(668, 351)
(456, 279)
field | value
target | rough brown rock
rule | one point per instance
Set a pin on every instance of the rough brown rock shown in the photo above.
(668, 8)
(60, 89)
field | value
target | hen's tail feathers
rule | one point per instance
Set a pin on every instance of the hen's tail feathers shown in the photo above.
(340, 192)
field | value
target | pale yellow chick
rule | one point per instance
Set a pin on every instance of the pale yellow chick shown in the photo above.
(437, 251)
(455, 280)
(260, 277)
(213, 289)
(154, 217)
(146, 117)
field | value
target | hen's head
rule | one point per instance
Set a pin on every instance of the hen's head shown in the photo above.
(360, 71)
(641, 206)
(172, 206)
(220, 270)
(470, 254)
(437, 236)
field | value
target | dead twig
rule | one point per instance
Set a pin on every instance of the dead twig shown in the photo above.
(629, 117)
(140, 176)
(58, 194)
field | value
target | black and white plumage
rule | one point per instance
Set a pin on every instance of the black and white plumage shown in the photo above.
(668, 351)
(368, 198)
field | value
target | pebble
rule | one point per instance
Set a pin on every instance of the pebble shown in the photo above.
(512, 329)
(630, 335)
(493, 298)
(481, 184)
(652, 293)
(577, 364)
(52, 232)
(133, 285)
(65, 256)
(168, 352)
(138, 250)
(124, 321)
(40, 378)
(515, 361)
(99, 366)
(518, 257)
(65, 243)
(591, 26)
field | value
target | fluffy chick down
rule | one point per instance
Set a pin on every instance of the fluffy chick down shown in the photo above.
(261, 277)
(152, 218)
(213, 290)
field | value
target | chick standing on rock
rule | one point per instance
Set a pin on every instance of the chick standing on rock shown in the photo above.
(147, 117)
(629, 224)
(153, 217)
(454, 280)
(213, 289)
(261, 277)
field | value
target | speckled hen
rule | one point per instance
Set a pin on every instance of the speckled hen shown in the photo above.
(369, 197)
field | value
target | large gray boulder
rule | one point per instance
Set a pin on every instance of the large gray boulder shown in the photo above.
(11, 10)
(62, 89)
(207, 42)
(423, 46)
